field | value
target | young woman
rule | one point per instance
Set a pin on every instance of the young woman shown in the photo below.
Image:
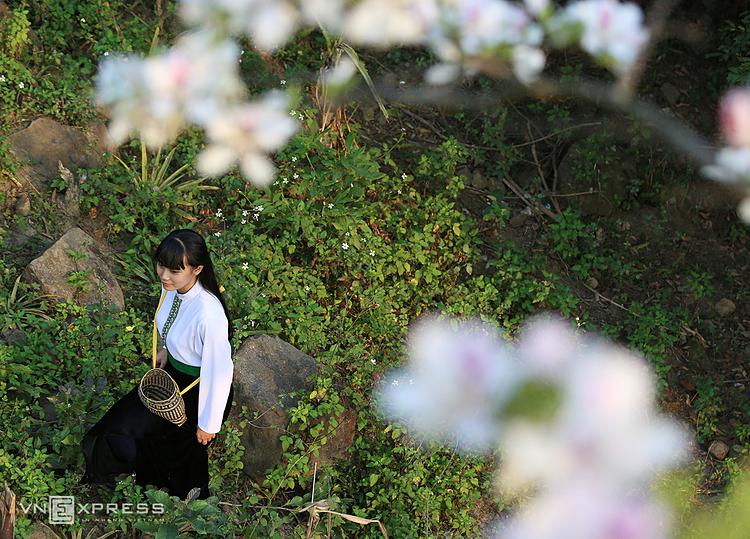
(193, 323)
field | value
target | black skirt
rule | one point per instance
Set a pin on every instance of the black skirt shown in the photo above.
(131, 439)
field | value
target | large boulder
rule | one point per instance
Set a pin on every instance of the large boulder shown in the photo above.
(44, 143)
(75, 268)
(267, 372)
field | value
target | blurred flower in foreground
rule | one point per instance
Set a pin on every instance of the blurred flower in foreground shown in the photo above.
(732, 163)
(583, 510)
(157, 96)
(245, 134)
(460, 376)
(574, 419)
(611, 31)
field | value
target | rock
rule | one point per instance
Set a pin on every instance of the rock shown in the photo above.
(725, 307)
(266, 371)
(671, 93)
(718, 449)
(44, 143)
(76, 252)
(42, 531)
(22, 205)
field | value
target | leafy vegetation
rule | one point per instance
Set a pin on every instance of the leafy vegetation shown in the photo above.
(338, 257)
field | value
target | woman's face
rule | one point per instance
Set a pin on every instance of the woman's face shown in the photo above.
(179, 279)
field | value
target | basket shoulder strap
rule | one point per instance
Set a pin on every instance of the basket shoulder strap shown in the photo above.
(153, 339)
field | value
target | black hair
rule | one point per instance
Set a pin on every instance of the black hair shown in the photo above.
(187, 245)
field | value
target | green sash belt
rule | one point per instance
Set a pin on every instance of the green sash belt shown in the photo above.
(182, 367)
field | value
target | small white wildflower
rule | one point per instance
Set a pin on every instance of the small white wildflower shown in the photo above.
(372, 252)
(403, 176)
(245, 265)
(219, 213)
(292, 113)
(345, 246)
(283, 82)
(276, 182)
(347, 234)
(399, 191)
(83, 20)
(307, 288)
(285, 181)
(294, 158)
(21, 85)
(2, 78)
(256, 216)
(244, 213)
(243, 221)
(295, 176)
(262, 295)
(217, 234)
(301, 117)
(330, 205)
(373, 361)
(259, 208)
(106, 53)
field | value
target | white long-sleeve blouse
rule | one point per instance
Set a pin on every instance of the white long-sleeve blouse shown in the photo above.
(198, 337)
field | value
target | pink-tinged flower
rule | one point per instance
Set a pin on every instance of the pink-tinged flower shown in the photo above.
(612, 31)
(245, 134)
(734, 117)
(607, 428)
(587, 510)
(548, 345)
(269, 23)
(471, 34)
(157, 96)
(457, 378)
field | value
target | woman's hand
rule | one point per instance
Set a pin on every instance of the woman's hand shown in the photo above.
(204, 437)
(161, 358)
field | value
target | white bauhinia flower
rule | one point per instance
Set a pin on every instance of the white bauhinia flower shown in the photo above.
(269, 23)
(384, 23)
(588, 510)
(528, 63)
(730, 165)
(606, 429)
(612, 31)
(460, 377)
(339, 75)
(157, 96)
(245, 134)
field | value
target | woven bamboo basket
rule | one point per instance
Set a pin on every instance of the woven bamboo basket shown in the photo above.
(161, 395)
(158, 391)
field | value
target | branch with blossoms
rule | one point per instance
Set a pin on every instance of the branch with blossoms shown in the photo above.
(197, 82)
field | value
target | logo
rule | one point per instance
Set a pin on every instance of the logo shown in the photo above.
(61, 509)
